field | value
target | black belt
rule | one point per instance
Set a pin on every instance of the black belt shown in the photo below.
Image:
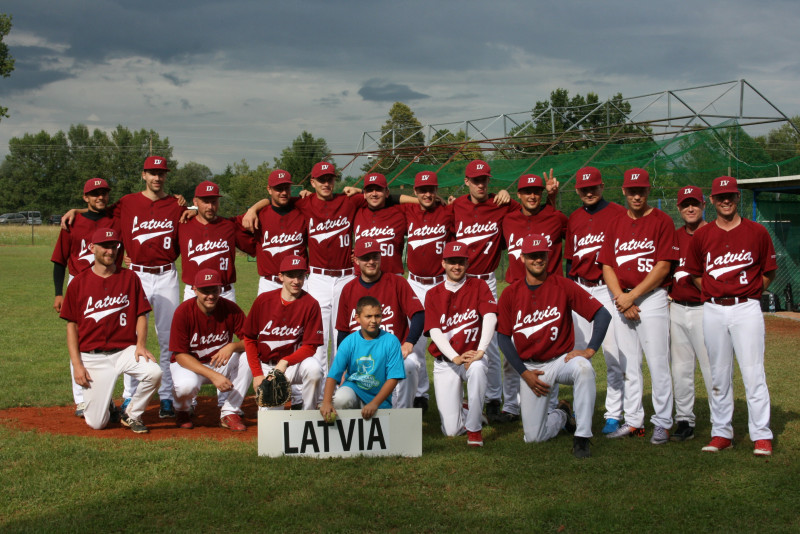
(689, 303)
(223, 288)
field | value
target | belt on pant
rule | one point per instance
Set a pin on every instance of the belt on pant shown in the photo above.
(150, 270)
(486, 276)
(728, 301)
(427, 280)
(332, 272)
(689, 303)
(590, 283)
(272, 278)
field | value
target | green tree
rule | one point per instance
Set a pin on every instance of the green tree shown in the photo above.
(445, 144)
(401, 138)
(247, 186)
(184, 180)
(782, 143)
(6, 61)
(128, 150)
(299, 158)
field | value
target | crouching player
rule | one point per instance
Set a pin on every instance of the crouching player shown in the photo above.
(536, 335)
(460, 318)
(370, 362)
(283, 331)
(205, 352)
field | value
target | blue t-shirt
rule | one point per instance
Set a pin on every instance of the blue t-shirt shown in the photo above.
(368, 364)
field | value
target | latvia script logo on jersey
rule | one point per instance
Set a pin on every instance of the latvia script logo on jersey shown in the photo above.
(636, 247)
(280, 332)
(211, 249)
(329, 228)
(588, 244)
(378, 233)
(104, 307)
(162, 227)
(475, 232)
(217, 341)
(515, 245)
(422, 235)
(457, 322)
(729, 262)
(281, 242)
(533, 322)
(85, 254)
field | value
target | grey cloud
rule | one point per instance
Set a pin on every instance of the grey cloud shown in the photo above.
(377, 90)
(185, 105)
(175, 79)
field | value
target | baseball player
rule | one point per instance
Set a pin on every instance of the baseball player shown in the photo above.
(402, 313)
(204, 351)
(637, 256)
(586, 231)
(72, 251)
(283, 331)
(732, 261)
(106, 313)
(208, 241)
(536, 334)
(686, 341)
(368, 364)
(460, 318)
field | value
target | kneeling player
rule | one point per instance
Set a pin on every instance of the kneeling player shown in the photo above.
(460, 318)
(370, 362)
(205, 352)
(536, 334)
(106, 312)
(283, 331)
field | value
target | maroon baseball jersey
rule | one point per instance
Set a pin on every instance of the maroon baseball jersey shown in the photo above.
(105, 309)
(458, 315)
(516, 225)
(201, 335)
(731, 262)
(387, 226)
(585, 235)
(539, 320)
(397, 299)
(211, 246)
(280, 329)
(281, 233)
(682, 287)
(428, 231)
(633, 246)
(478, 227)
(72, 246)
(149, 228)
(330, 229)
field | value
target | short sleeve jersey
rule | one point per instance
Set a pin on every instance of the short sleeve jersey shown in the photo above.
(479, 227)
(149, 228)
(633, 246)
(731, 262)
(459, 315)
(330, 228)
(398, 302)
(367, 364)
(210, 246)
(281, 233)
(72, 246)
(682, 287)
(193, 332)
(585, 235)
(105, 309)
(516, 225)
(428, 231)
(539, 320)
(387, 226)
(278, 329)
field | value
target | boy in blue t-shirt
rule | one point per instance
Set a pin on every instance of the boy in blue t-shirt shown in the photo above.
(371, 363)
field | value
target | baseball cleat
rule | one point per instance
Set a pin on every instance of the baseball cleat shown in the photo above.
(79, 409)
(627, 430)
(492, 408)
(684, 432)
(183, 419)
(166, 409)
(507, 417)
(422, 403)
(232, 422)
(475, 439)
(114, 414)
(763, 447)
(718, 444)
(612, 425)
(580, 447)
(660, 436)
(569, 425)
(135, 425)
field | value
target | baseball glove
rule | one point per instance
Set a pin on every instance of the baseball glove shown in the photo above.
(274, 390)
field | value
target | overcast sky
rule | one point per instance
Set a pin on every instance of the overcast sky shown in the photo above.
(241, 79)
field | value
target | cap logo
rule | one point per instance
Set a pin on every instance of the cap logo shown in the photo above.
(456, 248)
(281, 174)
(367, 243)
(724, 183)
(479, 166)
(109, 234)
(208, 277)
(635, 176)
(209, 188)
(587, 176)
(97, 182)
(424, 177)
(323, 167)
(295, 262)
(537, 242)
(157, 161)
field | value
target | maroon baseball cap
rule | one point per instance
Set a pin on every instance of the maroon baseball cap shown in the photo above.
(375, 178)
(323, 168)
(366, 246)
(636, 178)
(155, 163)
(95, 183)
(425, 178)
(293, 263)
(455, 249)
(724, 184)
(477, 168)
(529, 180)
(279, 177)
(690, 191)
(206, 189)
(106, 235)
(207, 278)
(534, 243)
(588, 177)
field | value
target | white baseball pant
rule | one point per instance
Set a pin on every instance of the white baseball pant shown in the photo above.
(540, 421)
(651, 334)
(737, 329)
(448, 380)
(345, 398)
(104, 368)
(77, 391)
(421, 346)
(187, 384)
(687, 344)
(309, 374)
(403, 395)
(268, 284)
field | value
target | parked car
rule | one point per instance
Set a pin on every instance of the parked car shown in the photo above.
(33, 217)
(54, 220)
(13, 218)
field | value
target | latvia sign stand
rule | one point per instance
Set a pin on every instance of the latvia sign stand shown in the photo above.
(304, 433)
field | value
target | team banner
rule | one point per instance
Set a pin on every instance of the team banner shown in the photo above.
(304, 433)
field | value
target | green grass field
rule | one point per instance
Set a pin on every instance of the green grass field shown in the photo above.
(54, 483)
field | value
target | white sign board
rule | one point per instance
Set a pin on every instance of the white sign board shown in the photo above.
(304, 433)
